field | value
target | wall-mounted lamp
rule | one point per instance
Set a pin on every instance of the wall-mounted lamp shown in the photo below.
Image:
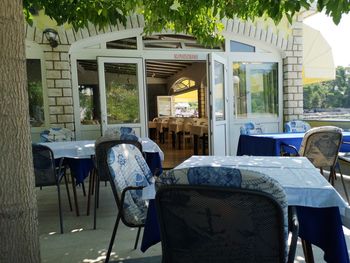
(51, 36)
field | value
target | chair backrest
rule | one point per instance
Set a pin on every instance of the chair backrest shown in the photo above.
(102, 145)
(296, 126)
(251, 128)
(218, 214)
(121, 133)
(127, 167)
(44, 165)
(321, 146)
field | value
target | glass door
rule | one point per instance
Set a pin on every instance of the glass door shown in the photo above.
(218, 105)
(121, 95)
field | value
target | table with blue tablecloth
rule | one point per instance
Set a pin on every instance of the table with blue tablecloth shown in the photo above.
(319, 226)
(271, 144)
(78, 156)
(318, 203)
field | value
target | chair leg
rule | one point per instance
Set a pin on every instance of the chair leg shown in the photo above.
(97, 192)
(137, 237)
(92, 174)
(60, 207)
(68, 194)
(343, 183)
(307, 248)
(75, 196)
(83, 186)
(112, 238)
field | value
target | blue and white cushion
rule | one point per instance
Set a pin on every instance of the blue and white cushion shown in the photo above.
(128, 168)
(119, 133)
(297, 126)
(56, 135)
(251, 128)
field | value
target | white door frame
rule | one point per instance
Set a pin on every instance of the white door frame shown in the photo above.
(218, 132)
(141, 126)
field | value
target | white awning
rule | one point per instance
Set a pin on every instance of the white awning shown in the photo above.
(318, 63)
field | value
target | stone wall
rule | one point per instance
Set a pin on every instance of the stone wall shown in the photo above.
(292, 74)
(59, 87)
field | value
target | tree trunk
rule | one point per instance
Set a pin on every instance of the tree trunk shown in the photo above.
(18, 211)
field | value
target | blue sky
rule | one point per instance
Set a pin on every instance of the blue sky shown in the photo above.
(338, 36)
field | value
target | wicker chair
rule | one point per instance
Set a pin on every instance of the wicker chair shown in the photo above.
(321, 146)
(218, 214)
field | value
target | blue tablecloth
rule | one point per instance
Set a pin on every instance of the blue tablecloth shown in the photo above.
(80, 168)
(270, 144)
(319, 226)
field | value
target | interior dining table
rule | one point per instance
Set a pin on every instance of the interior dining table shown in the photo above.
(199, 131)
(78, 156)
(321, 210)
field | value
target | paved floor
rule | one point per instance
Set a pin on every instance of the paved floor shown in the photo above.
(80, 243)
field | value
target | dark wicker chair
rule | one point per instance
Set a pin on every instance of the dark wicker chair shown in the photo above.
(125, 183)
(222, 214)
(321, 146)
(47, 173)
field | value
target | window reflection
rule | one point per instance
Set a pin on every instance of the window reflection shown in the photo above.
(122, 93)
(255, 89)
(89, 97)
(35, 93)
(219, 91)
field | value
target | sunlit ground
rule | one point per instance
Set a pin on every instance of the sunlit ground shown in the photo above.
(80, 243)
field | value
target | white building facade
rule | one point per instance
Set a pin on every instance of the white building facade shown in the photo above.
(255, 75)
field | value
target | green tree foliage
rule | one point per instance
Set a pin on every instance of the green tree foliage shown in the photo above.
(200, 18)
(122, 103)
(329, 94)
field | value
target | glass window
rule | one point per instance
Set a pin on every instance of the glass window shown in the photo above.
(255, 89)
(240, 47)
(126, 43)
(183, 84)
(186, 104)
(122, 93)
(219, 91)
(89, 97)
(35, 93)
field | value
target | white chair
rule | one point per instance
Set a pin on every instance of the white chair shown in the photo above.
(56, 135)
(296, 126)
(251, 128)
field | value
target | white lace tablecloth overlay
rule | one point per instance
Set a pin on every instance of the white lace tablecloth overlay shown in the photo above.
(72, 149)
(84, 149)
(303, 183)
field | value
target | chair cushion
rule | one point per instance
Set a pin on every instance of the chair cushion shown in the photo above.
(321, 145)
(251, 128)
(56, 135)
(297, 126)
(128, 168)
(120, 133)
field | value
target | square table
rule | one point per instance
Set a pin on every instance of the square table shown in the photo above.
(78, 151)
(319, 205)
(78, 156)
(269, 144)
